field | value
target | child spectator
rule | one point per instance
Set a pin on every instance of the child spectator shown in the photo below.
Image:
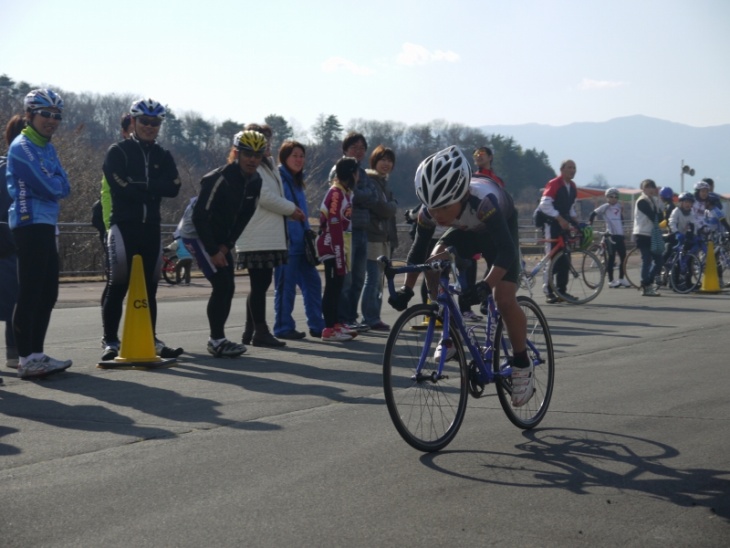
(613, 215)
(333, 245)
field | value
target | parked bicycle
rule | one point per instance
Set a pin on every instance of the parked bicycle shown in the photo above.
(586, 273)
(169, 263)
(601, 249)
(685, 266)
(426, 397)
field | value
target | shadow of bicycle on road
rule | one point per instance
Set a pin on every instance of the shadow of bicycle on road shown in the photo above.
(582, 461)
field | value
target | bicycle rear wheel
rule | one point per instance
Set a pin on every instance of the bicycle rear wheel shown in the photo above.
(685, 273)
(427, 411)
(540, 353)
(585, 276)
(632, 267)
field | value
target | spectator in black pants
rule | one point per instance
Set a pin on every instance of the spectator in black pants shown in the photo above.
(36, 183)
(140, 173)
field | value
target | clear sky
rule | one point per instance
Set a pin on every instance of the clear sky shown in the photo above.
(476, 62)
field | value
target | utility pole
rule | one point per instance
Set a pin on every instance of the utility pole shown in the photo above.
(685, 170)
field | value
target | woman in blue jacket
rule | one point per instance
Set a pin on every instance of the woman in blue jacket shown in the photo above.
(36, 183)
(297, 271)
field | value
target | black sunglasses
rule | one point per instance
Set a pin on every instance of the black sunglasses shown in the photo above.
(154, 122)
(49, 114)
(251, 154)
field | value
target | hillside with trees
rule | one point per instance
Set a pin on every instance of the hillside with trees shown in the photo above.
(91, 125)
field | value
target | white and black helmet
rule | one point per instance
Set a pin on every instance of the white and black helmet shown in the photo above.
(612, 192)
(443, 178)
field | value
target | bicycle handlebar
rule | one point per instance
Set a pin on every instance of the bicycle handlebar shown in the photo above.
(438, 265)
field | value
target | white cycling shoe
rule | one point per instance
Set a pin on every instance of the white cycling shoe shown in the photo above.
(523, 385)
(450, 350)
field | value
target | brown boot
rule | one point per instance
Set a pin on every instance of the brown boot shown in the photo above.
(263, 337)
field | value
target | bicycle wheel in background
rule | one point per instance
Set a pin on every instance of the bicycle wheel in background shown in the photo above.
(168, 269)
(685, 273)
(586, 276)
(632, 267)
(426, 411)
(540, 352)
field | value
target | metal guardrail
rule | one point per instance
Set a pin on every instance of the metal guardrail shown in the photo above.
(81, 253)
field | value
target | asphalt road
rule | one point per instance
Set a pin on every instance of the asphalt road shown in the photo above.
(294, 447)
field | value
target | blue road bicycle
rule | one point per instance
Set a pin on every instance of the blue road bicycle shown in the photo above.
(427, 397)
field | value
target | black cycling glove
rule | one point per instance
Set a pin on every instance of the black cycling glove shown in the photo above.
(399, 301)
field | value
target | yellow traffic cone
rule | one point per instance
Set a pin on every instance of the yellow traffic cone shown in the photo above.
(138, 339)
(710, 279)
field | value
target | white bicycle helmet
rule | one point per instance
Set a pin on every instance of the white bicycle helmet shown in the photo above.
(612, 192)
(42, 98)
(699, 185)
(147, 107)
(443, 178)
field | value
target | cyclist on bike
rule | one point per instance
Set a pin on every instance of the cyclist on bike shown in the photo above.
(558, 203)
(612, 213)
(681, 221)
(140, 173)
(482, 219)
(707, 209)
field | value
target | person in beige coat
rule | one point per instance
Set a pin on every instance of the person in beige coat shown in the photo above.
(263, 246)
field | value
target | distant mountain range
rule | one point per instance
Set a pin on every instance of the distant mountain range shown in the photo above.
(624, 151)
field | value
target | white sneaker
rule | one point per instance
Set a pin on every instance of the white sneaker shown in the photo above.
(226, 349)
(57, 364)
(624, 282)
(450, 350)
(523, 385)
(110, 352)
(470, 316)
(38, 368)
(615, 283)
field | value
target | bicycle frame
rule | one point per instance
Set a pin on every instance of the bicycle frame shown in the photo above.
(482, 355)
(427, 384)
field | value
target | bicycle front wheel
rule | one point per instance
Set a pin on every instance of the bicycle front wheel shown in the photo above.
(585, 276)
(632, 267)
(685, 273)
(540, 353)
(426, 408)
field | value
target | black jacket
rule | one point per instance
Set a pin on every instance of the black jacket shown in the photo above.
(139, 176)
(225, 205)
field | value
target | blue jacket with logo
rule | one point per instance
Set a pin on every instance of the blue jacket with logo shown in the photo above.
(36, 181)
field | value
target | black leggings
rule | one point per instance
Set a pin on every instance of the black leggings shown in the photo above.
(331, 296)
(219, 304)
(124, 241)
(260, 279)
(618, 246)
(38, 286)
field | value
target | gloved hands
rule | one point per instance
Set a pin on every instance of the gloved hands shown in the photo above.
(477, 293)
(399, 301)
